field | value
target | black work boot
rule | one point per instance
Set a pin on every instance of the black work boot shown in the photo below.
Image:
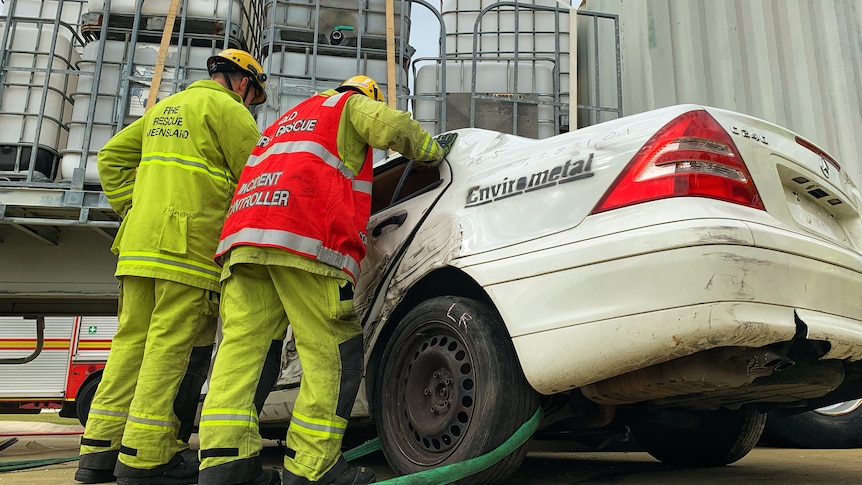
(96, 467)
(339, 474)
(266, 477)
(91, 475)
(188, 464)
(181, 470)
(157, 480)
(354, 475)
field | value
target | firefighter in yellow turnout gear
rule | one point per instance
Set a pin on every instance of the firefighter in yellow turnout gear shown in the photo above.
(291, 248)
(170, 176)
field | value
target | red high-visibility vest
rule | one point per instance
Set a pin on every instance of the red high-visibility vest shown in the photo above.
(296, 194)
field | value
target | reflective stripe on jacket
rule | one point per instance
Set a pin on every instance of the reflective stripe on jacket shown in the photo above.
(171, 175)
(297, 194)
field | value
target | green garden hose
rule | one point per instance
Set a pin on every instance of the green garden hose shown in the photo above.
(456, 471)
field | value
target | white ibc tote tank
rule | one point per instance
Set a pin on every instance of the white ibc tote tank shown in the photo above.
(219, 9)
(537, 38)
(48, 9)
(185, 64)
(293, 83)
(33, 96)
(122, 83)
(365, 16)
(535, 83)
(300, 64)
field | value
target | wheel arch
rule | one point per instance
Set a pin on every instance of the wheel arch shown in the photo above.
(94, 376)
(446, 281)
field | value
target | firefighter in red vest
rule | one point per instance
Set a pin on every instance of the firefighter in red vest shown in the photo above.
(290, 248)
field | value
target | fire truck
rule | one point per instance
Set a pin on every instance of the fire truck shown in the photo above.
(52, 362)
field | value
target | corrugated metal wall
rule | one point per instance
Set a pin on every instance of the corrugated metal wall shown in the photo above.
(797, 63)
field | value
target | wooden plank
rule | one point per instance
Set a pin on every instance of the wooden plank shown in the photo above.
(163, 52)
(391, 89)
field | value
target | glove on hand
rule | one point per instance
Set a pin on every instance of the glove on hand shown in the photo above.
(446, 141)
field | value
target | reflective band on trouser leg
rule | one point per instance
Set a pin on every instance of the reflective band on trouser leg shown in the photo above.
(110, 407)
(322, 324)
(150, 439)
(252, 317)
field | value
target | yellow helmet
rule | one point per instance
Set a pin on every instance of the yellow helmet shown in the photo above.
(364, 85)
(233, 60)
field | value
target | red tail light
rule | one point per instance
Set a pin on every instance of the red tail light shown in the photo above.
(692, 156)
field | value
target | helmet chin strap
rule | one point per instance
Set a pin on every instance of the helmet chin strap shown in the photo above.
(230, 85)
(227, 80)
(247, 90)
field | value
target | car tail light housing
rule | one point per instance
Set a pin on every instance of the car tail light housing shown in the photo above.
(692, 156)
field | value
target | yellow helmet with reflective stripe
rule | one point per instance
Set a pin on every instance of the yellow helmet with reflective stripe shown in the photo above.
(364, 85)
(236, 60)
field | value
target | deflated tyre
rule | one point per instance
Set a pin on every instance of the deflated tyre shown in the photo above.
(450, 389)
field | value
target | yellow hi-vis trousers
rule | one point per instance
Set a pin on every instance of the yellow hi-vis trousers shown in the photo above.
(258, 302)
(133, 409)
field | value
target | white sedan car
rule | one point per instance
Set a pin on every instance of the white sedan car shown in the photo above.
(676, 273)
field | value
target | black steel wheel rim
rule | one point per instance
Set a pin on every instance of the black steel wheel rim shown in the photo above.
(435, 396)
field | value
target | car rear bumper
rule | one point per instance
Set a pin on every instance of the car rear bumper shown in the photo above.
(626, 301)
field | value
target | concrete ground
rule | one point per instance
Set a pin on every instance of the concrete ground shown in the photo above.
(547, 463)
(38, 441)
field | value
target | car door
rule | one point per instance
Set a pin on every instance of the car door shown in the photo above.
(402, 195)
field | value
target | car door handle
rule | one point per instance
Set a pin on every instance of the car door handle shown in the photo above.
(397, 220)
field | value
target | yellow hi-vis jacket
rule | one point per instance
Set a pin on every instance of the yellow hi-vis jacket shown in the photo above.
(171, 175)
